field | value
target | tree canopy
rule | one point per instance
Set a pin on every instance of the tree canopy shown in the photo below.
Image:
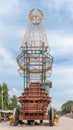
(13, 102)
(7, 102)
(66, 107)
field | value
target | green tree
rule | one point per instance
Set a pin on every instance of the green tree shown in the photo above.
(5, 101)
(66, 107)
(13, 103)
(5, 96)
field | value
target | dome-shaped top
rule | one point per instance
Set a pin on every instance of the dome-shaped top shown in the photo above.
(35, 36)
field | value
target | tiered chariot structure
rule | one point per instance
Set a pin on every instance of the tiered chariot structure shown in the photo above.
(35, 65)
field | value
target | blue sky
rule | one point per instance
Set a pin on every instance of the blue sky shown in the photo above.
(58, 24)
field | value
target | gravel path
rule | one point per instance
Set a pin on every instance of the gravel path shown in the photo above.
(64, 124)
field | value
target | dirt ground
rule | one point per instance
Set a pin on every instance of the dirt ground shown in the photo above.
(64, 124)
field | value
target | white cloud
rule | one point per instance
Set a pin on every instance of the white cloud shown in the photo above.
(60, 42)
(12, 7)
(56, 104)
(15, 91)
(62, 80)
(7, 6)
(4, 53)
(61, 45)
(57, 5)
(63, 76)
(6, 57)
(69, 92)
(8, 67)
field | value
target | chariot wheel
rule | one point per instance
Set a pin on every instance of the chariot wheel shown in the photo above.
(41, 121)
(31, 122)
(16, 113)
(51, 114)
